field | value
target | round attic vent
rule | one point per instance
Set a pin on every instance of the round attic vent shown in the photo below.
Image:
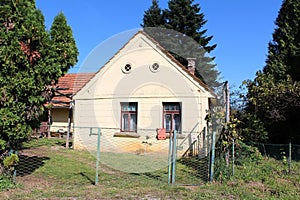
(126, 68)
(154, 67)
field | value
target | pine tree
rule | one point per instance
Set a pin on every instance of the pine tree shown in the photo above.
(274, 95)
(184, 17)
(29, 64)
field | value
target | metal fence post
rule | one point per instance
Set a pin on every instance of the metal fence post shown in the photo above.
(170, 158)
(98, 157)
(233, 157)
(174, 157)
(212, 156)
(14, 177)
(290, 156)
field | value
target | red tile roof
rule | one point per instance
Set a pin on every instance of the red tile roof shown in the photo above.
(67, 86)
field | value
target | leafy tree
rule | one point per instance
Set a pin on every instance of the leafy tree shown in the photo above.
(30, 64)
(183, 16)
(274, 95)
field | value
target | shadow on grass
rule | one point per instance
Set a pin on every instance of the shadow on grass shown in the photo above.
(87, 177)
(155, 175)
(28, 164)
(198, 167)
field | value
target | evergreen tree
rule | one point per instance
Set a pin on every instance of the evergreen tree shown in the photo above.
(65, 46)
(284, 50)
(29, 66)
(274, 95)
(153, 17)
(184, 17)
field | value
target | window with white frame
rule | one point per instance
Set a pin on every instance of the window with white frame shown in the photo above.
(172, 116)
(129, 117)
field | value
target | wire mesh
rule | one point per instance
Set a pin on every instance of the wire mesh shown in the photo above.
(193, 159)
(240, 154)
(141, 153)
(278, 151)
(141, 157)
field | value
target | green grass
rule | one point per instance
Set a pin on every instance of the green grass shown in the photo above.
(6, 183)
(38, 142)
(58, 173)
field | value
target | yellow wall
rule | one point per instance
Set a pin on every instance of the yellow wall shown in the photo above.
(59, 119)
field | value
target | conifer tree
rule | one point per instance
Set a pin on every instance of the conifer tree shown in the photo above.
(29, 66)
(153, 17)
(183, 16)
(64, 42)
(274, 95)
(284, 50)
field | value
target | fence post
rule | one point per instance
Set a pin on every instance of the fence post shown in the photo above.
(170, 158)
(15, 170)
(174, 157)
(290, 156)
(212, 156)
(98, 157)
(233, 157)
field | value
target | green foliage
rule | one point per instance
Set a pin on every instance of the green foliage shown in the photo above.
(11, 161)
(5, 183)
(274, 95)
(2, 145)
(244, 155)
(251, 128)
(153, 17)
(65, 46)
(230, 134)
(29, 66)
(183, 16)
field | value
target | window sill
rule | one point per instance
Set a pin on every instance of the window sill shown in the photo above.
(127, 134)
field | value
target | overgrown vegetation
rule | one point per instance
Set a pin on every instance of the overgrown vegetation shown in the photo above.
(273, 97)
(61, 173)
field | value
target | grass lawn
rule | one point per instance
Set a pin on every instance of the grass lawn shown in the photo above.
(48, 171)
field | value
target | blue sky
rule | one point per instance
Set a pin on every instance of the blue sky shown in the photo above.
(240, 28)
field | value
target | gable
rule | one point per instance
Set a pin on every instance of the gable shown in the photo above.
(142, 67)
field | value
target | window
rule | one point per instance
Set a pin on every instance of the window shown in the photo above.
(129, 117)
(172, 116)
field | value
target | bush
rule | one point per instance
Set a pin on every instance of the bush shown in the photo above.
(244, 154)
(11, 161)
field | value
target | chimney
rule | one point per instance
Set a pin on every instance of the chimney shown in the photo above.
(191, 65)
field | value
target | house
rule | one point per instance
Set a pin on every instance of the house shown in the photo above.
(61, 110)
(140, 90)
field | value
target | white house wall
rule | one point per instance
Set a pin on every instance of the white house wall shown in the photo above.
(98, 103)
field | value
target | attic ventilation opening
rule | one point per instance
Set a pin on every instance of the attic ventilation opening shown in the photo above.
(154, 67)
(127, 68)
